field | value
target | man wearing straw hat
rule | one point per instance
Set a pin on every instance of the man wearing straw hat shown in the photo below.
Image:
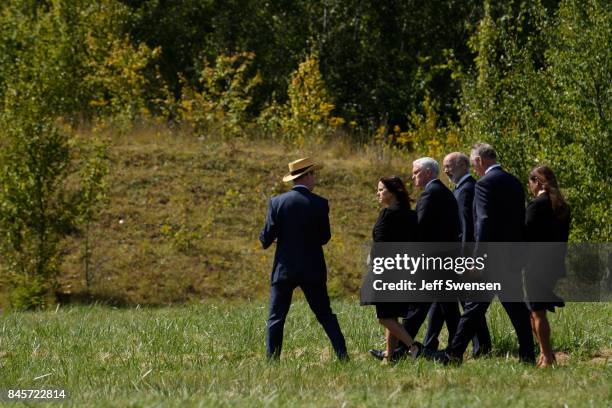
(298, 220)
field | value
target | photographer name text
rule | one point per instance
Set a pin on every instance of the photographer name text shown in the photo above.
(435, 285)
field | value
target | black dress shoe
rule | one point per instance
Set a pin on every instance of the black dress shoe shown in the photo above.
(381, 355)
(377, 354)
(443, 357)
(482, 352)
(438, 356)
(343, 357)
(527, 360)
(400, 352)
(452, 360)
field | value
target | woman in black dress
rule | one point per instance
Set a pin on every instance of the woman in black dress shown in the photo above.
(396, 223)
(547, 220)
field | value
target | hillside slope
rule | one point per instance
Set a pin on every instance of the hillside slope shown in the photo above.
(184, 214)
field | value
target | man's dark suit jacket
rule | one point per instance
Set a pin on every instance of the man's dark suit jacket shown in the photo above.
(499, 207)
(437, 213)
(464, 193)
(299, 221)
(499, 214)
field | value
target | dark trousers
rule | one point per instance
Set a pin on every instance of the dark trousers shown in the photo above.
(318, 300)
(481, 342)
(472, 316)
(418, 313)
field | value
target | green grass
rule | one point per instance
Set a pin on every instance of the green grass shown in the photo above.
(212, 354)
(181, 226)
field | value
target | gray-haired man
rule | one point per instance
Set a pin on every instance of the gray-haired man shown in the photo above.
(438, 221)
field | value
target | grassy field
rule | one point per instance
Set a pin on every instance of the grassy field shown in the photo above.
(181, 226)
(212, 354)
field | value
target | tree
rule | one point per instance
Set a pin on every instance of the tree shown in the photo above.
(42, 196)
(580, 105)
(540, 94)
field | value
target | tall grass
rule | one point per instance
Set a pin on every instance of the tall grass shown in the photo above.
(213, 354)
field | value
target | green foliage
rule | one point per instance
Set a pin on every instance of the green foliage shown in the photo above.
(378, 59)
(225, 96)
(28, 293)
(543, 96)
(426, 134)
(118, 81)
(580, 106)
(307, 115)
(34, 161)
(501, 102)
(38, 205)
(535, 81)
(76, 53)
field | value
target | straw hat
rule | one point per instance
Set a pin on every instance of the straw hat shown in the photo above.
(300, 167)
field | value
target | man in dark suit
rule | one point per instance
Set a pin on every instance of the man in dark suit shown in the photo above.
(299, 222)
(438, 221)
(499, 216)
(457, 167)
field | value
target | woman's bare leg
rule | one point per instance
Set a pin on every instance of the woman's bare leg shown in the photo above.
(537, 336)
(397, 331)
(391, 343)
(542, 330)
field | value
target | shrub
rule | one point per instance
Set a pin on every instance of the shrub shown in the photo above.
(425, 133)
(117, 79)
(221, 105)
(307, 115)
